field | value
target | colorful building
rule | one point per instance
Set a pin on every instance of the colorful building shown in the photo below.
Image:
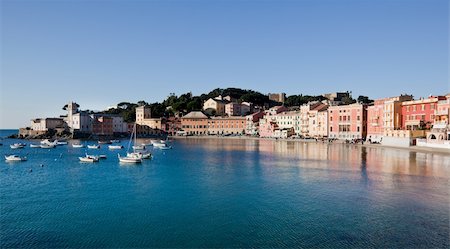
(385, 114)
(252, 123)
(226, 125)
(216, 106)
(347, 121)
(195, 123)
(420, 114)
(102, 126)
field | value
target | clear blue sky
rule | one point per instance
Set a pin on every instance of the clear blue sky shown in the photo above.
(99, 53)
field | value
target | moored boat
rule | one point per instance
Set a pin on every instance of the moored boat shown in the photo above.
(94, 146)
(15, 158)
(77, 145)
(104, 142)
(143, 155)
(114, 141)
(89, 159)
(138, 147)
(17, 146)
(115, 147)
(47, 146)
(35, 146)
(61, 142)
(128, 159)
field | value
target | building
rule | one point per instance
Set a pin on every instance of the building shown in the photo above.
(226, 125)
(347, 121)
(337, 96)
(246, 108)
(420, 114)
(385, 114)
(215, 106)
(267, 127)
(45, 124)
(252, 123)
(195, 123)
(277, 97)
(318, 121)
(233, 109)
(287, 120)
(102, 125)
(146, 125)
(275, 110)
(172, 125)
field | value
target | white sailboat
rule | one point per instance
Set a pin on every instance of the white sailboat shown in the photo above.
(132, 157)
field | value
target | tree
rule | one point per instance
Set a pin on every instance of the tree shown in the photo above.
(364, 99)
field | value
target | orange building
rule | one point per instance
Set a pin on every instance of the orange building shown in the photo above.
(226, 125)
(385, 114)
(195, 123)
(418, 114)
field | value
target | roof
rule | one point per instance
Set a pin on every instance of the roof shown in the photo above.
(321, 107)
(195, 114)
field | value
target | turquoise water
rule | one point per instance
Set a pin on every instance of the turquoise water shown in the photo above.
(227, 193)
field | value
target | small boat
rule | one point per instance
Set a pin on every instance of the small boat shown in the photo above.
(47, 146)
(138, 147)
(115, 147)
(128, 159)
(17, 146)
(94, 146)
(162, 146)
(104, 142)
(61, 142)
(114, 141)
(77, 146)
(35, 146)
(146, 155)
(48, 142)
(102, 156)
(15, 158)
(88, 159)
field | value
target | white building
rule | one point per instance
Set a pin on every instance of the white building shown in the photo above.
(44, 124)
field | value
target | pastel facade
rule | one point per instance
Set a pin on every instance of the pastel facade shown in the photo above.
(214, 104)
(233, 109)
(420, 113)
(226, 125)
(385, 114)
(252, 123)
(267, 127)
(318, 121)
(287, 120)
(146, 125)
(45, 124)
(347, 121)
(195, 123)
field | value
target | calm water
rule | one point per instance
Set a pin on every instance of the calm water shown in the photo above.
(231, 193)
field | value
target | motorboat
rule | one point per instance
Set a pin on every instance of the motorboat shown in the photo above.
(94, 146)
(104, 142)
(115, 147)
(61, 142)
(35, 146)
(114, 141)
(89, 159)
(17, 146)
(77, 145)
(48, 142)
(47, 146)
(138, 147)
(15, 158)
(162, 146)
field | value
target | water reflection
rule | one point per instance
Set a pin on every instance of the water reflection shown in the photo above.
(328, 156)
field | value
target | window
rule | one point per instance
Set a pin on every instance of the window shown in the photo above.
(407, 108)
(423, 107)
(331, 129)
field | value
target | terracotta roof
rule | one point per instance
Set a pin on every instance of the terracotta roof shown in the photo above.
(320, 107)
(195, 114)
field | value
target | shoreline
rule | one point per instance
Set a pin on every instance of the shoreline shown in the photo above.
(367, 145)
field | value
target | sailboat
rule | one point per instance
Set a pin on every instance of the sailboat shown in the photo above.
(131, 157)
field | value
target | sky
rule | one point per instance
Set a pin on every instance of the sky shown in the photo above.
(100, 53)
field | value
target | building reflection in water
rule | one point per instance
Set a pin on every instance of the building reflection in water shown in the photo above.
(342, 157)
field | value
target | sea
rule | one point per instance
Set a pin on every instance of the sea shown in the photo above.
(225, 193)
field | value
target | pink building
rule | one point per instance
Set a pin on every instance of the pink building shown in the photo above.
(347, 121)
(267, 127)
(252, 123)
(420, 113)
